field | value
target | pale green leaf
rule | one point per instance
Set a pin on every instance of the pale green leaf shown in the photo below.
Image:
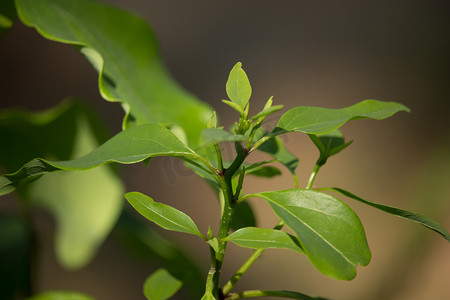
(219, 135)
(161, 285)
(85, 205)
(163, 215)
(422, 220)
(61, 295)
(318, 120)
(238, 86)
(263, 238)
(330, 233)
(124, 51)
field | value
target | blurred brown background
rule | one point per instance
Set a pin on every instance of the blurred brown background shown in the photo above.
(322, 53)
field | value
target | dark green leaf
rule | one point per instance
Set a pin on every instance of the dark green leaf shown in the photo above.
(329, 144)
(329, 231)
(243, 216)
(263, 238)
(15, 247)
(7, 14)
(123, 49)
(129, 146)
(238, 86)
(163, 215)
(265, 171)
(263, 293)
(275, 148)
(61, 295)
(318, 120)
(161, 285)
(425, 221)
(149, 248)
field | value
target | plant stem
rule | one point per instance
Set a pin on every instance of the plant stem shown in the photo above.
(225, 221)
(260, 293)
(313, 176)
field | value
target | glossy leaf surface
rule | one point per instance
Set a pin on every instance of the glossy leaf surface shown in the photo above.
(129, 146)
(329, 231)
(422, 220)
(238, 86)
(126, 56)
(161, 285)
(263, 238)
(318, 120)
(163, 215)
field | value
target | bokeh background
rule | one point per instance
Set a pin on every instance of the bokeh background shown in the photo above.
(322, 53)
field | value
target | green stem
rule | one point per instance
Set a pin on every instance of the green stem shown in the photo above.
(225, 221)
(261, 293)
(313, 176)
(219, 158)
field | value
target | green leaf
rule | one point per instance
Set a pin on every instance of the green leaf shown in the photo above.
(329, 144)
(146, 245)
(329, 232)
(264, 293)
(218, 135)
(275, 148)
(7, 14)
(234, 106)
(422, 220)
(161, 285)
(264, 171)
(129, 146)
(123, 49)
(163, 215)
(60, 295)
(318, 120)
(85, 204)
(263, 238)
(238, 86)
(243, 216)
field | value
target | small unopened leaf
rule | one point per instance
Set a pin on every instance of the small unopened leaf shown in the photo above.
(263, 238)
(238, 86)
(318, 120)
(422, 220)
(329, 231)
(163, 215)
(161, 285)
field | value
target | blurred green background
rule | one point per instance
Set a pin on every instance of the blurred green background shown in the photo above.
(323, 53)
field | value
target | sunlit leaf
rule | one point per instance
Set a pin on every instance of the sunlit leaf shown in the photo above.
(238, 86)
(330, 233)
(161, 285)
(318, 120)
(129, 146)
(163, 215)
(123, 49)
(263, 238)
(218, 135)
(422, 220)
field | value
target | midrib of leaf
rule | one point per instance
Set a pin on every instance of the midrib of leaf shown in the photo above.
(167, 219)
(318, 234)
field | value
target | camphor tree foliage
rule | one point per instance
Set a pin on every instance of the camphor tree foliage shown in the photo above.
(62, 160)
